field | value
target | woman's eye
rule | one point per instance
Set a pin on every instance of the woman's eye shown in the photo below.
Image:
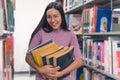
(48, 16)
(55, 16)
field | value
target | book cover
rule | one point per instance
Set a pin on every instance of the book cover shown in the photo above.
(108, 78)
(9, 45)
(91, 27)
(36, 49)
(51, 51)
(14, 4)
(75, 22)
(45, 48)
(67, 20)
(116, 57)
(40, 53)
(1, 21)
(118, 60)
(111, 55)
(49, 58)
(94, 18)
(80, 74)
(65, 5)
(106, 58)
(1, 60)
(42, 44)
(103, 19)
(63, 59)
(10, 13)
(6, 21)
(87, 75)
(115, 21)
(86, 20)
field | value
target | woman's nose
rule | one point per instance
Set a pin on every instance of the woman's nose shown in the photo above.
(52, 19)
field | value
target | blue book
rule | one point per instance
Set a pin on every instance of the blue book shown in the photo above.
(108, 78)
(80, 74)
(49, 58)
(63, 59)
(103, 19)
(67, 20)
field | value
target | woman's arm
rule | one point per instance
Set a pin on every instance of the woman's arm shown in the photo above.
(30, 61)
(76, 55)
(76, 64)
(46, 71)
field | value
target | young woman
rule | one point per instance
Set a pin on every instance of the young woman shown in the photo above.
(53, 26)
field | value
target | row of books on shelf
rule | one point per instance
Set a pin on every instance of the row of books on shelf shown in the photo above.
(6, 16)
(6, 57)
(70, 4)
(93, 75)
(7, 8)
(97, 19)
(103, 54)
(94, 19)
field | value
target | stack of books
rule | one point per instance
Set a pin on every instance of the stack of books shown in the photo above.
(49, 53)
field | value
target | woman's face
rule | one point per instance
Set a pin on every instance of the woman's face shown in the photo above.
(54, 18)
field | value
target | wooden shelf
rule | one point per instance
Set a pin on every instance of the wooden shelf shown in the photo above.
(104, 3)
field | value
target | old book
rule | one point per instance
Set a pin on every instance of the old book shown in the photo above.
(49, 58)
(41, 50)
(63, 59)
(42, 56)
(42, 44)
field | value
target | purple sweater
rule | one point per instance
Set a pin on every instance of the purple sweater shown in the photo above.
(60, 37)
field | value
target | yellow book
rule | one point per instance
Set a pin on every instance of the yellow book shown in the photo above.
(43, 50)
(63, 56)
(49, 58)
(42, 56)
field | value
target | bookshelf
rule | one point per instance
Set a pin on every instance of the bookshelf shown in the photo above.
(104, 34)
(7, 39)
(78, 8)
(89, 63)
(102, 72)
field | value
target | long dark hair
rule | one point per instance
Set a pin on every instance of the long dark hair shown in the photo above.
(44, 24)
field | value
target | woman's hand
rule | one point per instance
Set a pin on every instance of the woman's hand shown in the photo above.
(48, 71)
(58, 74)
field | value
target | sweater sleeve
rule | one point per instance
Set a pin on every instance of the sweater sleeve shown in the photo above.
(34, 42)
(74, 42)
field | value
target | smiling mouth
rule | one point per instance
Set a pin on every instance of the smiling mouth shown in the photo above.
(54, 25)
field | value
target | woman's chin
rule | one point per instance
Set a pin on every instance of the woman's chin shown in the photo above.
(56, 28)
